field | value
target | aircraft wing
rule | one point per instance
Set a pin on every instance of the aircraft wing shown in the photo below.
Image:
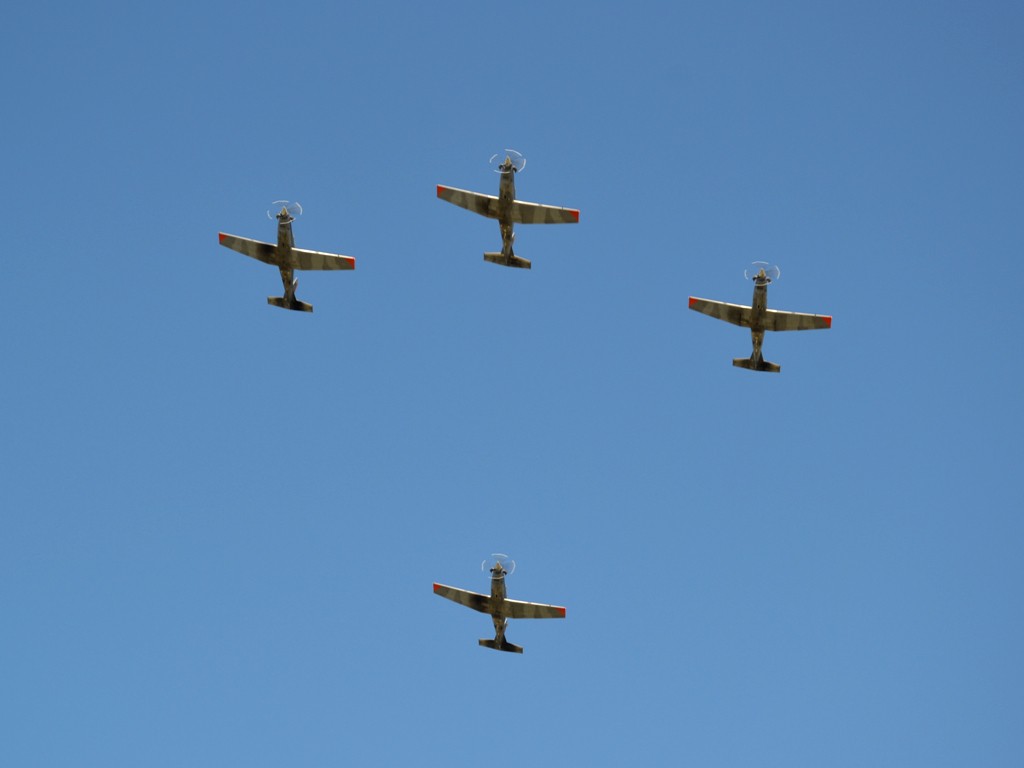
(472, 600)
(737, 314)
(795, 321)
(302, 259)
(265, 252)
(535, 213)
(485, 205)
(517, 609)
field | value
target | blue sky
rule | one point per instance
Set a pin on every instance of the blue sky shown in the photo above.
(221, 520)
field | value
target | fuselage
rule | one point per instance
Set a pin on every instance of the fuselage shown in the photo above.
(285, 240)
(506, 196)
(758, 311)
(285, 243)
(497, 607)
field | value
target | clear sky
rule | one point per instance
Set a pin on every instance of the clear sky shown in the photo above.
(221, 521)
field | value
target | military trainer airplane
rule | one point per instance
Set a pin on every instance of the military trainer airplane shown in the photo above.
(286, 257)
(759, 318)
(507, 210)
(500, 607)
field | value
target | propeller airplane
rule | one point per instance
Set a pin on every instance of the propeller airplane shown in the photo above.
(286, 257)
(507, 210)
(759, 318)
(498, 605)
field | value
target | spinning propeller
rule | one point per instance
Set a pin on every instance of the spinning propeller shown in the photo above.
(498, 560)
(762, 272)
(282, 210)
(509, 160)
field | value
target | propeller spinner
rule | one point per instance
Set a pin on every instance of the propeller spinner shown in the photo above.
(508, 161)
(283, 210)
(498, 565)
(762, 272)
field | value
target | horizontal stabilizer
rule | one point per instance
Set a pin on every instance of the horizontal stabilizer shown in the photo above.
(510, 261)
(750, 365)
(504, 646)
(283, 303)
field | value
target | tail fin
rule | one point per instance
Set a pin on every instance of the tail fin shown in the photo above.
(284, 303)
(504, 646)
(761, 365)
(511, 261)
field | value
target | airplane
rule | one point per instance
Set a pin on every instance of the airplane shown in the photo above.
(286, 257)
(759, 318)
(507, 210)
(500, 607)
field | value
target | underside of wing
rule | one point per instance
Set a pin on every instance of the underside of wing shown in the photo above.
(485, 205)
(472, 600)
(776, 320)
(737, 314)
(302, 259)
(535, 213)
(517, 609)
(265, 252)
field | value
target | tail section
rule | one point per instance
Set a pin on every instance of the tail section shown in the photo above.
(759, 365)
(285, 303)
(507, 261)
(502, 646)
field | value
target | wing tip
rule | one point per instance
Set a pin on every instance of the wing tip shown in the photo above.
(561, 610)
(693, 300)
(576, 215)
(437, 587)
(828, 321)
(439, 188)
(220, 237)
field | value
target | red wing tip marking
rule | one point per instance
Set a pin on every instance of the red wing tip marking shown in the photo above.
(221, 236)
(436, 586)
(563, 612)
(692, 301)
(576, 216)
(439, 188)
(828, 321)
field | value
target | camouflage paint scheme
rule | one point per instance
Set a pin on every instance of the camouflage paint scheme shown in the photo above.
(286, 257)
(759, 319)
(500, 607)
(508, 211)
